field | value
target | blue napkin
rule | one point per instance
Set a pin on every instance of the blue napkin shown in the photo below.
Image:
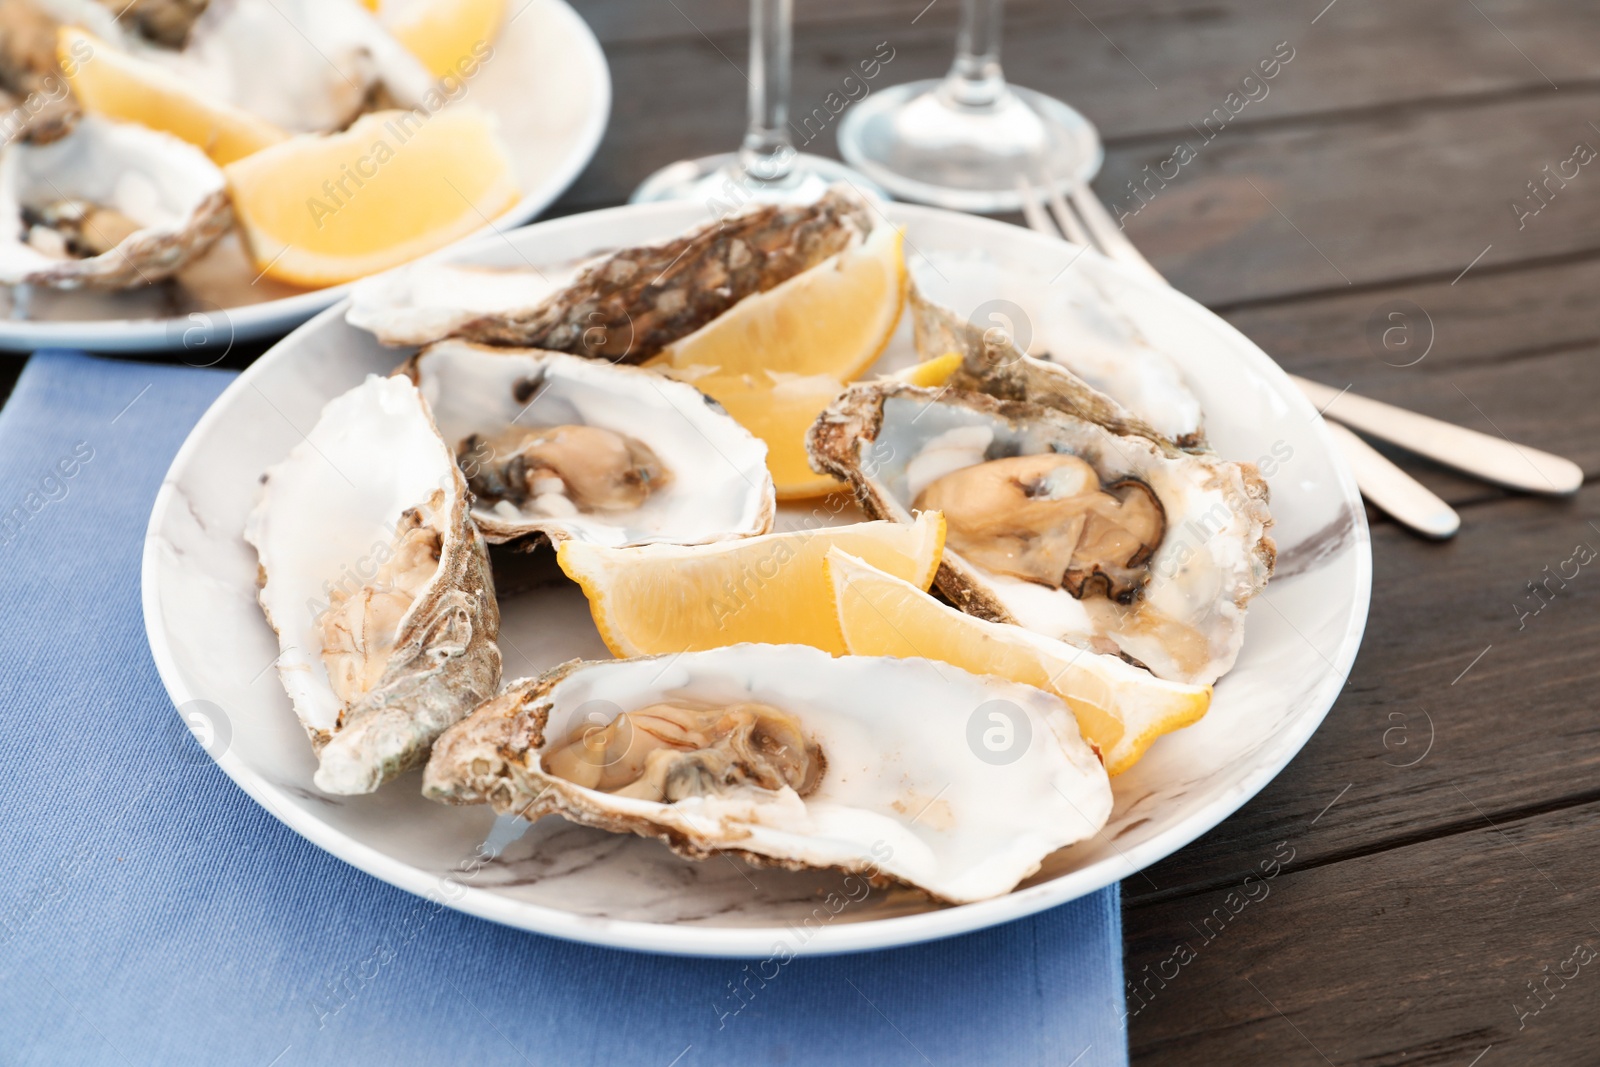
(152, 913)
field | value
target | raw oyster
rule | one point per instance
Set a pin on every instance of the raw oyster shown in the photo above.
(627, 306)
(790, 757)
(1109, 540)
(110, 206)
(566, 447)
(426, 302)
(377, 584)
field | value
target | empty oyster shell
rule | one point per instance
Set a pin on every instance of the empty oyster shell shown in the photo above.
(628, 305)
(377, 584)
(954, 783)
(565, 447)
(1156, 562)
(110, 206)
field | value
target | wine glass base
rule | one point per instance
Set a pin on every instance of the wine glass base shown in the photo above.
(720, 182)
(919, 145)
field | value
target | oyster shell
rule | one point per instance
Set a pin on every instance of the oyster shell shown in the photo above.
(1069, 320)
(426, 302)
(628, 305)
(33, 92)
(304, 65)
(1164, 553)
(565, 447)
(787, 756)
(377, 584)
(110, 206)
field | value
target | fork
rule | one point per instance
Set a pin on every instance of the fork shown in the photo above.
(1082, 219)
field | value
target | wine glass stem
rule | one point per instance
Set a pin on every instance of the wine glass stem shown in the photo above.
(975, 80)
(767, 153)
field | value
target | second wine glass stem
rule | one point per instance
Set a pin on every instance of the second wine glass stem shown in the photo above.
(975, 79)
(767, 153)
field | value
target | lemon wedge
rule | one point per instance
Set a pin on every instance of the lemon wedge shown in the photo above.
(449, 37)
(834, 319)
(931, 373)
(1120, 708)
(659, 599)
(323, 209)
(778, 408)
(109, 82)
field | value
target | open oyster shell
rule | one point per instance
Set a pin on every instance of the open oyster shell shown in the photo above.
(898, 777)
(694, 475)
(146, 202)
(628, 305)
(1069, 320)
(377, 584)
(1177, 607)
(303, 65)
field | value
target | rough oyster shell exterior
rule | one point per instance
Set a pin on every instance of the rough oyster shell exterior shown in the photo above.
(374, 450)
(629, 305)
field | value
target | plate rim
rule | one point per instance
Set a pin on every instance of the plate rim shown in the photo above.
(153, 337)
(754, 942)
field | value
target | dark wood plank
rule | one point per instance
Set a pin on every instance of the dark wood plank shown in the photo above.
(1263, 210)
(1419, 193)
(1140, 66)
(1416, 955)
(1507, 700)
(1502, 352)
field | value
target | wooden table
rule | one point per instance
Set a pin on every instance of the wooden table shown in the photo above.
(1442, 823)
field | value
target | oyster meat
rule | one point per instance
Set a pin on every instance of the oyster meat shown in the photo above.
(1114, 541)
(378, 585)
(629, 305)
(565, 447)
(110, 206)
(787, 756)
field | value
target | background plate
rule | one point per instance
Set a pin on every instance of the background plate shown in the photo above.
(548, 84)
(211, 643)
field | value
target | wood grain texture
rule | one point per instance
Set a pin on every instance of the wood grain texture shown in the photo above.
(1417, 954)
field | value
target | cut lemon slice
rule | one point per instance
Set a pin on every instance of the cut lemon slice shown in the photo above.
(773, 589)
(778, 408)
(1120, 708)
(320, 210)
(931, 373)
(834, 319)
(450, 37)
(119, 86)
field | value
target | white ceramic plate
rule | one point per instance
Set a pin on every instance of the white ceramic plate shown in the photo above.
(214, 649)
(548, 84)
